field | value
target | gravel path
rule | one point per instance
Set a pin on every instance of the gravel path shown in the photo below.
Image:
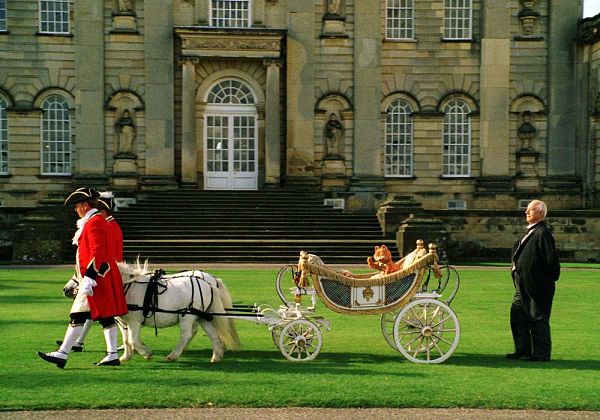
(303, 413)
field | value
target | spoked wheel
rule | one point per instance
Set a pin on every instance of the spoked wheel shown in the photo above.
(276, 333)
(426, 331)
(300, 341)
(284, 281)
(387, 327)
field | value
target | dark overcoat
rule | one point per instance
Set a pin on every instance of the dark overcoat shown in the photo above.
(536, 268)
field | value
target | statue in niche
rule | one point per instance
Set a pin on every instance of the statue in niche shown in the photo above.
(334, 8)
(526, 131)
(333, 135)
(125, 133)
(125, 6)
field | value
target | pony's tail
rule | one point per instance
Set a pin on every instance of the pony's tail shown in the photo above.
(225, 326)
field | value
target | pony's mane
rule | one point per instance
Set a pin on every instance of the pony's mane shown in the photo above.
(135, 269)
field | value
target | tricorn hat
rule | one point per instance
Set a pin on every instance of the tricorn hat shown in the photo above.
(105, 201)
(80, 195)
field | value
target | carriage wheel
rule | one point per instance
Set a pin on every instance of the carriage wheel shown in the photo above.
(387, 327)
(426, 331)
(300, 341)
(283, 282)
(275, 334)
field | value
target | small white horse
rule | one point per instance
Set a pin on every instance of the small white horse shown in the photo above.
(178, 294)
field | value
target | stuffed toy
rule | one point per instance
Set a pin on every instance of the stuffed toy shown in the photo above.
(382, 261)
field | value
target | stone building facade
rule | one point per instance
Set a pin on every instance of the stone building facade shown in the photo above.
(447, 103)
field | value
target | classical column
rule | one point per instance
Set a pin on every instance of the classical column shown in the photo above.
(189, 165)
(272, 123)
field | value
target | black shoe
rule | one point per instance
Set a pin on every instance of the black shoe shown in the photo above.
(114, 362)
(75, 348)
(60, 363)
(535, 359)
(516, 356)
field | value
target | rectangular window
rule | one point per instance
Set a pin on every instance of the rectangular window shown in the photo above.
(230, 13)
(400, 19)
(457, 19)
(2, 15)
(54, 16)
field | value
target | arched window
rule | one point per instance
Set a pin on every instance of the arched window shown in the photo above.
(456, 153)
(400, 19)
(230, 13)
(232, 92)
(3, 138)
(56, 136)
(399, 139)
(458, 15)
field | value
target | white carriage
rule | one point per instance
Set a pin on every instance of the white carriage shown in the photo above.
(414, 305)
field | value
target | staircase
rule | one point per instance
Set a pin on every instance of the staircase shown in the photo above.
(186, 226)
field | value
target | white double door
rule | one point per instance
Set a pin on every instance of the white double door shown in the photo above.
(230, 151)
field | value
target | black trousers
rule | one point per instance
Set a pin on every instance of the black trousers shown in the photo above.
(530, 326)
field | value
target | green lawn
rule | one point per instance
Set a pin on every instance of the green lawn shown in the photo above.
(356, 367)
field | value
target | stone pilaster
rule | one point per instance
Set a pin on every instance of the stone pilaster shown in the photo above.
(89, 96)
(562, 141)
(367, 89)
(272, 123)
(495, 89)
(189, 164)
(300, 89)
(158, 58)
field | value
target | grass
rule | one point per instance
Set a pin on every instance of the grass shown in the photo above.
(356, 368)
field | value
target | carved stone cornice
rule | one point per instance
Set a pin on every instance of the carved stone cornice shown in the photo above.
(218, 42)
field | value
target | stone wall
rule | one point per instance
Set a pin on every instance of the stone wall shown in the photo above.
(489, 235)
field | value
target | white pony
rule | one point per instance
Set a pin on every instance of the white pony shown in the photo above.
(181, 299)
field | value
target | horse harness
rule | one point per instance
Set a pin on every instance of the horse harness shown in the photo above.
(156, 288)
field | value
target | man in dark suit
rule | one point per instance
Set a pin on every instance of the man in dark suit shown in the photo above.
(535, 269)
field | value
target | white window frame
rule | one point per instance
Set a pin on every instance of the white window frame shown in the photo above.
(458, 19)
(219, 11)
(54, 16)
(456, 140)
(399, 140)
(3, 15)
(3, 137)
(400, 20)
(55, 136)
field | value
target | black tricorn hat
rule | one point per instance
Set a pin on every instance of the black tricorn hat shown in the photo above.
(80, 195)
(106, 203)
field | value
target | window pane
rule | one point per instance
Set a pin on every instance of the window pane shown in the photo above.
(56, 136)
(456, 150)
(230, 13)
(54, 16)
(400, 19)
(457, 19)
(399, 139)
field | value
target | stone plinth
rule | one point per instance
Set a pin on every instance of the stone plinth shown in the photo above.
(421, 227)
(125, 171)
(391, 213)
(333, 173)
(124, 23)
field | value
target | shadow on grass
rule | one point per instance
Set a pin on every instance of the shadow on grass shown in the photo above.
(273, 361)
(500, 360)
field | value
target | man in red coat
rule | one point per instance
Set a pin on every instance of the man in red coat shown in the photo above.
(105, 206)
(100, 295)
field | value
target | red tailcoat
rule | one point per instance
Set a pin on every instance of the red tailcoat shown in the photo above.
(115, 238)
(96, 261)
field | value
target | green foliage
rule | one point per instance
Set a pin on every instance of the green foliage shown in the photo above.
(356, 368)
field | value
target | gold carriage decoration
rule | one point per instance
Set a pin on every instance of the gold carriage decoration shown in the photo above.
(365, 294)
